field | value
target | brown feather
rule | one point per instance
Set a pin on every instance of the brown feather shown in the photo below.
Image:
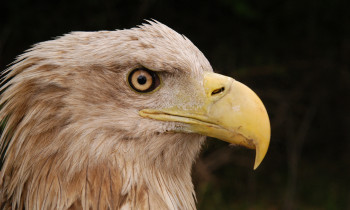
(73, 137)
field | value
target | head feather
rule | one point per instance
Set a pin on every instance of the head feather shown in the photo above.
(72, 135)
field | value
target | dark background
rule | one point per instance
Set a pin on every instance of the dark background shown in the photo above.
(293, 53)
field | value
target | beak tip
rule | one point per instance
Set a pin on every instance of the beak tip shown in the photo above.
(256, 165)
(260, 152)
(257, 162)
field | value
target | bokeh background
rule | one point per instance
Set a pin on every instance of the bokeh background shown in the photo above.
(293, 53)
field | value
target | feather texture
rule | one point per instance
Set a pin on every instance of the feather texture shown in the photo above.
(73, 137)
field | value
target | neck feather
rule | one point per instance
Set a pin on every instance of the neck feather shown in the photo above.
(154, 173)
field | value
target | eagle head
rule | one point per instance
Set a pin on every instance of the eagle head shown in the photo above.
(115, 119)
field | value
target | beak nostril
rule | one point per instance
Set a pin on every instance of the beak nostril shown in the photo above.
(217, 91)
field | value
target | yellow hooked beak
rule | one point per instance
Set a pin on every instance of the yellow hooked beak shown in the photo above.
(230, 111)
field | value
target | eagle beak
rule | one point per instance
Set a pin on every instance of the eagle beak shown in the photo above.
(230, 111)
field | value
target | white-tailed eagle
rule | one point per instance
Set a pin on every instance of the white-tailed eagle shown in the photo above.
(115, 120)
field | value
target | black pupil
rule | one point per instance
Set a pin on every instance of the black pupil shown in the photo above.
(141, 79)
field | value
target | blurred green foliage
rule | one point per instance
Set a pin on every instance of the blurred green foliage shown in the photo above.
(293, 53)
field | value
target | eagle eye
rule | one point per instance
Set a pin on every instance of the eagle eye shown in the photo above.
(143, 80)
